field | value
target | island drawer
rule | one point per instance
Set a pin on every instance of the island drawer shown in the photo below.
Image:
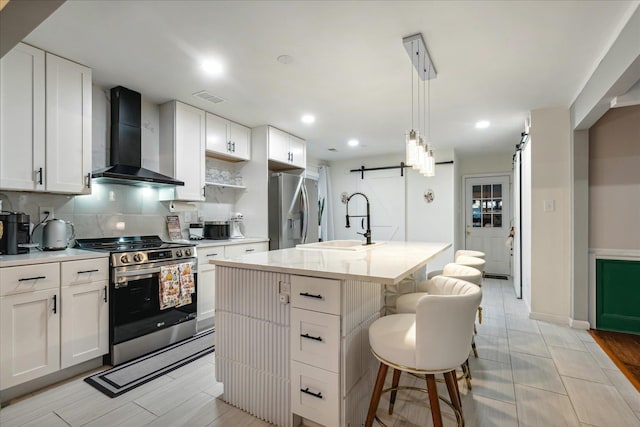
(84, 271)
(315, 339)
(315, 394)
(29, 278)
(313, 293)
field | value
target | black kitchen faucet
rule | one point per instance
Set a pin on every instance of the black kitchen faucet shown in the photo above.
(366, 234)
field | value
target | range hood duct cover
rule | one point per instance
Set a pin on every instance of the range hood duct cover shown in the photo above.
(126, 144)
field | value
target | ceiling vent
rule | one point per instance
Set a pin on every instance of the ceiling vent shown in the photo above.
(208, 96)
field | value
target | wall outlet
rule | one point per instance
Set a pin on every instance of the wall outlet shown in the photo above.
(187, 216)
(549, 205)
(43, 215)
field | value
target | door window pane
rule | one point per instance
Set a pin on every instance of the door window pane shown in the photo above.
(486, 191)
(487, 205)
(497, 190)
(476, 192)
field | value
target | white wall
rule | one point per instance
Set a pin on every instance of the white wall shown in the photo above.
(551, 243)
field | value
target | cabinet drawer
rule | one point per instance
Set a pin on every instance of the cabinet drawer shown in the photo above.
(315, 394)
(207, 254)
(312, 293)
(29, 278)
(233, 251)
(315, 339)
(84, 271)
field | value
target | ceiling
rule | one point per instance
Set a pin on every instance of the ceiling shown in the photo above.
(496, 61)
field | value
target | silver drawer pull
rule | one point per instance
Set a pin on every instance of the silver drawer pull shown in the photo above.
(31, 278)
(306, 391)
(88, 271)
(307, 294)
(212, 254)
(311, 337)
(249, 250)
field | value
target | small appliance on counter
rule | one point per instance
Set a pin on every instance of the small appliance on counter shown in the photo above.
(196, 231)
(57, 234)
(216, 230)
(236, 222)
(14, 233)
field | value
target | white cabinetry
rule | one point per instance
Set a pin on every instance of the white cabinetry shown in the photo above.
(315, 349)
(182, 149)
(288, 150)
(227, 140)
(30, 323)
(84, 330)
(45, 134)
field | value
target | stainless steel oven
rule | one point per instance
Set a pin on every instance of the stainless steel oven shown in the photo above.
(137, 323)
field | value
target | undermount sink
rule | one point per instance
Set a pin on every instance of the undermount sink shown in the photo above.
(341, 245)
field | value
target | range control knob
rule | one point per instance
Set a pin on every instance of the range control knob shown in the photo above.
(179, 253)
(124, 259)
(137, 257)
(187, 252)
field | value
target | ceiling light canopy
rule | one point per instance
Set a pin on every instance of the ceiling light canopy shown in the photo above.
(482, 124)
(353, 142)
(308, 119)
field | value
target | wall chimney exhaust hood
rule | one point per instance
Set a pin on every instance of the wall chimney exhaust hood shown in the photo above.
(126, 144)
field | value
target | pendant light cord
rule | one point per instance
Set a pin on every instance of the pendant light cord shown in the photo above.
(411, 69)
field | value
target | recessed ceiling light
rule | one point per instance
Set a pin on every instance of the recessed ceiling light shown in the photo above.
(308, 119)
(482, 124)
(212, 67)
(353, 142)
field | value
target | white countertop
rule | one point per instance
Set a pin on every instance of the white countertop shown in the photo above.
(205, 243)
(388, 263)
(41, 257)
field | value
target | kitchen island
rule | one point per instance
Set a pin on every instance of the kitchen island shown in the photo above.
(292, 327)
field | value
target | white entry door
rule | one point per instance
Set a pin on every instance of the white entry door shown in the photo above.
(487, 220)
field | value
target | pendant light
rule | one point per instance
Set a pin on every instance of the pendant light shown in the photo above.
(418, 150)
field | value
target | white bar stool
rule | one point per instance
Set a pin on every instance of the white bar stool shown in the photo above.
(434, 340)
(478, 264)
(469, 252)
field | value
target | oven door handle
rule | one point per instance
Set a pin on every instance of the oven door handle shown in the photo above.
(122, 278)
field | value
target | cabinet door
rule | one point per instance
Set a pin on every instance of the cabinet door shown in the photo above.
(22, 119)
(217, 140)
(68, 128)
(84, 322)
(29, 336)
(298, 150)
(240, 137)
(189, 151)
(278, 145)
(207, 281)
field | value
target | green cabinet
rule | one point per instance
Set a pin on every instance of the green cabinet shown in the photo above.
(618, 295)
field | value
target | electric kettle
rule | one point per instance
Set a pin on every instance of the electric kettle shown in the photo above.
(55, 236)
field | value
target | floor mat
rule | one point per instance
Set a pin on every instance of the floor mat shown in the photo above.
(624, 350)
(127, 376)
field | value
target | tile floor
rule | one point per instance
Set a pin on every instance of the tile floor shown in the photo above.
(529, 373)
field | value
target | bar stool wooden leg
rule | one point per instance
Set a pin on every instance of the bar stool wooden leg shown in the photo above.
(433, 400)
(473, 347)
(467, 373)
(377, 392)
(452, 388)
(394, 383)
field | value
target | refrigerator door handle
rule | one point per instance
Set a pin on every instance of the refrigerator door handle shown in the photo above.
(305, 217)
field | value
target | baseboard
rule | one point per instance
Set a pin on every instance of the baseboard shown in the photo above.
(579, 324)
(551, 318)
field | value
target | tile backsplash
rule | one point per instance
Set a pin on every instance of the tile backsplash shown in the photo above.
(114, 210)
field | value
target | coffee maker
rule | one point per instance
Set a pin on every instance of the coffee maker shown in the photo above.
(14, 233)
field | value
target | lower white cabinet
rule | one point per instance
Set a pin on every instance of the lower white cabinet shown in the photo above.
(29, 323)
(84, 332)
(52, 316)
(315, 394)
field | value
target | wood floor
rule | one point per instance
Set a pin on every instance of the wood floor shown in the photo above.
(624, 349)
(529, 373)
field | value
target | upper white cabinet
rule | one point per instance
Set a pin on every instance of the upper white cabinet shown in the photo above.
(288, 150)
(182, 148)
(45, 122)
(68, 140)
(227, 140)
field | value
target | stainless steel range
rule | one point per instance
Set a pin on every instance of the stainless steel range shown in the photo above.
(141, 320)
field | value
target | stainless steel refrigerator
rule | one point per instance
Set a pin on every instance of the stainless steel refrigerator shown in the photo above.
(293, 210)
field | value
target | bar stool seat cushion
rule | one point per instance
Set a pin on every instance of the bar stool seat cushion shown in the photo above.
(468, 252)
(393, 338)
(470, 261)
(464, 272)
(407, 303)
